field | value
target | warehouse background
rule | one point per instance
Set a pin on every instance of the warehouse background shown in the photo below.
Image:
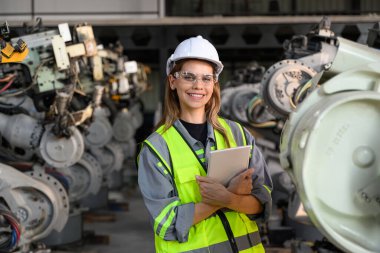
(244, 32)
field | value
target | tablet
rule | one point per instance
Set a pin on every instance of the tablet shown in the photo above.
(224, 164)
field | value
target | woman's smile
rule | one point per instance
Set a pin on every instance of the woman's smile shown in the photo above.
(196, 96)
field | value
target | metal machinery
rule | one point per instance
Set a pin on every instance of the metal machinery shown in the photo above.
(60, 101)
(324, 99)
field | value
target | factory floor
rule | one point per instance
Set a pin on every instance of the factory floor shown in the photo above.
(123, 226)
(128, 230)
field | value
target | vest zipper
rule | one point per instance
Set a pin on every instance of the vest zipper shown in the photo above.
(227, 228)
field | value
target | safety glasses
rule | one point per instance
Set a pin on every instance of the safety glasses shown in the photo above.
(207, 79)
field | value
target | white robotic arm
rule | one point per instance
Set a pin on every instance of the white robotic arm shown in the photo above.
(39, 202)
(330, 144)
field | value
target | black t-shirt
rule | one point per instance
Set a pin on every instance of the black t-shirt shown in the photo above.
(197, 131)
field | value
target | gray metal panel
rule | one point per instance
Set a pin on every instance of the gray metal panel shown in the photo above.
(57, 11)
(15, 6)
(98, 6)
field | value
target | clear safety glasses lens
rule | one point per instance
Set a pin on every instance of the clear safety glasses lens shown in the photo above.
(206, 79)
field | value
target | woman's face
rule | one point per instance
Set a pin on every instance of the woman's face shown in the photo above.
(193, 95)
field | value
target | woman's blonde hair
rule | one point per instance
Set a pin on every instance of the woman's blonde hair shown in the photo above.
(172, 108)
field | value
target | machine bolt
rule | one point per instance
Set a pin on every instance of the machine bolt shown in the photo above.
(327, 66)
(364, 157)
(21, 214)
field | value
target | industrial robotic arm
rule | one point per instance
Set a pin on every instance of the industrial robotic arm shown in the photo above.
(326, 92)
(320, 55)
(37, 200)
(330, 146)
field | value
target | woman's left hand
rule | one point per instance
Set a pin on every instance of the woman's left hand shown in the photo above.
(213, 192)
(241, 184)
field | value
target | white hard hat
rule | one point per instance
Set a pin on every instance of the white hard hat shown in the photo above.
(195, 48)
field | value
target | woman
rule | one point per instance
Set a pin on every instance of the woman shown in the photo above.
(190, 211)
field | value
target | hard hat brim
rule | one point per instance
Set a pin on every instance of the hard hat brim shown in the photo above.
(218, 64)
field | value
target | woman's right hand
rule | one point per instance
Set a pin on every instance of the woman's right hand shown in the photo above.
(241, 184)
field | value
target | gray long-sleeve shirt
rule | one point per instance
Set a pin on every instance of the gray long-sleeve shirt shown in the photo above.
(158, 188)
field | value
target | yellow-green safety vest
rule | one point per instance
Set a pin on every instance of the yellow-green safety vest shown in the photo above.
(208, 235)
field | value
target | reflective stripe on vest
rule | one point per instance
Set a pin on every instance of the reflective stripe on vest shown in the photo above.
(208, 235)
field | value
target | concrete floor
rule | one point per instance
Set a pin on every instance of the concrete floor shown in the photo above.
(130, 232)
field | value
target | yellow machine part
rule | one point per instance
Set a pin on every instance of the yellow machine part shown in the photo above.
(9, 54)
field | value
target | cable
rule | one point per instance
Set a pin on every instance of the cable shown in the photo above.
(292, 103)
(17, 92)
(33, 83)
(8, 78)
(299, 94)
(13, 221)
(251, 113)
(7, 85)
(14, 238)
